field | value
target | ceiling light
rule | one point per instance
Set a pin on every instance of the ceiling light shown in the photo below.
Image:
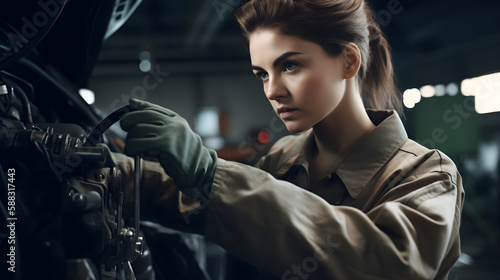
(440, 90)
(452, 89)
(87, 95)
(486, 92)
(427, 91)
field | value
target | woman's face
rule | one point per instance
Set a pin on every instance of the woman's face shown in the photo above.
(303, 83)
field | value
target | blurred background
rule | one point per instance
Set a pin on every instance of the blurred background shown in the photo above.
(189, 56)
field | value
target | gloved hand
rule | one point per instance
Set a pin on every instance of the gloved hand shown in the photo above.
(159, 132)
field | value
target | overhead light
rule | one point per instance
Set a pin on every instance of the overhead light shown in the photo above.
(486, 92)
(206, 122)
(411, 97)
(145, 55)
(440, 90)
(215, 142)
(408, 104)
(467, 87)
(427, 91)
(87, 95)
(452, 89)
(145, 64)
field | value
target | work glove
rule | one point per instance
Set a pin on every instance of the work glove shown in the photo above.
(159, 132)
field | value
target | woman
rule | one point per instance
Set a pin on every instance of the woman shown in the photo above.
(349, 196)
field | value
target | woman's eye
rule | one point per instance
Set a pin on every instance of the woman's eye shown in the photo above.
(261, 75)
(290, 66)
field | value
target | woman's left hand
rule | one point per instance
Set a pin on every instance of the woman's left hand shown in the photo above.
(159, 132)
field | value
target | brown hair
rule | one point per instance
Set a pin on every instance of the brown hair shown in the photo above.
(331, 24)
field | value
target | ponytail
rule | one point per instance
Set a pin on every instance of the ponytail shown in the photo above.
(378, 87)
(331, 23)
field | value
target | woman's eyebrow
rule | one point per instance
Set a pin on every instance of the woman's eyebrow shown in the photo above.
(278, 60)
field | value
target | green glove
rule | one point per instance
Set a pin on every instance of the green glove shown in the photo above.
(159, 132)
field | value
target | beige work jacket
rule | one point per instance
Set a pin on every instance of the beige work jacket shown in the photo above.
(390, 210)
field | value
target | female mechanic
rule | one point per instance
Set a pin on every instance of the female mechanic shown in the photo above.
(347, 196)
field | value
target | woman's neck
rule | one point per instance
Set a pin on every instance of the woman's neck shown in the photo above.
(345, 126)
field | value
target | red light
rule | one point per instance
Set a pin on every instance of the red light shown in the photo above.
(263, 137)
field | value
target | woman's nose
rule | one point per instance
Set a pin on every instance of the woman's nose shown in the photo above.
(275, 88)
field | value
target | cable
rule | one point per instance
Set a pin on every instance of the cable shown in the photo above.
(28, 119)
(23, 81)
(75, 98)
(27, 116)
(96, 135)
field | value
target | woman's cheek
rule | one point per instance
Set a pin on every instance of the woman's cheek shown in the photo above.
(311, 89)
(303, 88)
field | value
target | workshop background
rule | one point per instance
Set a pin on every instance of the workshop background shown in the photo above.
(189, 56)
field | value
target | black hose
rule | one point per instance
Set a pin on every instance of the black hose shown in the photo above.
(95, 136)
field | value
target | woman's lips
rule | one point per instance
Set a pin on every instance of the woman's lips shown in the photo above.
(286, 113)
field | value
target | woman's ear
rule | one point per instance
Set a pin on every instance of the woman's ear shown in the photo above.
(352, 58)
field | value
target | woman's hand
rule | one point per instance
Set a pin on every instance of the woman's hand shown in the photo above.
(159, 132)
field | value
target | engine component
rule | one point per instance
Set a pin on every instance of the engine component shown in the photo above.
(72, 222)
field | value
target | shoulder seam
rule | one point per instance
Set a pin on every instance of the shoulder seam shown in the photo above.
(441, 166)
(408, 152)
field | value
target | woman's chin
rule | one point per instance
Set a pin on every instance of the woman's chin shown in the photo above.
(296, 128)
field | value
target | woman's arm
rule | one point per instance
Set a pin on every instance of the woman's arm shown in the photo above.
(295, 234)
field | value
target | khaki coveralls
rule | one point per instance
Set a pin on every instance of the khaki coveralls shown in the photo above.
(390, 210)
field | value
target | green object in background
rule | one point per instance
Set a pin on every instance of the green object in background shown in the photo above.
(447, 123)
